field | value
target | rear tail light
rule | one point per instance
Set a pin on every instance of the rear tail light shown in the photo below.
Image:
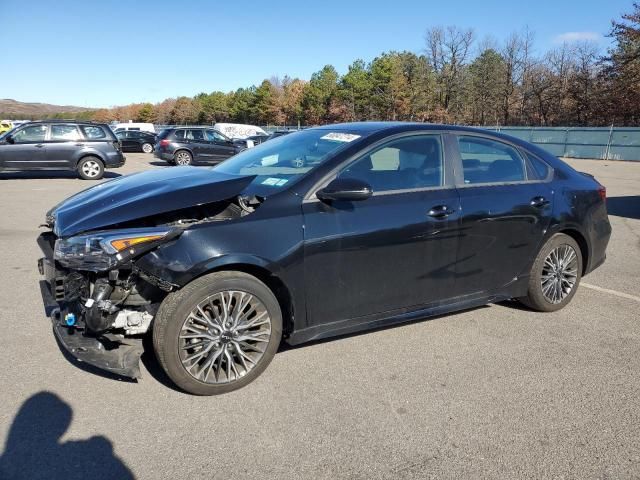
(117, 146)
(602, 191)
(164, 143)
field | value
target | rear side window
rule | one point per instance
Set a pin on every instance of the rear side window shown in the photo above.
(489, 161)
(64, 133)
(93, 132)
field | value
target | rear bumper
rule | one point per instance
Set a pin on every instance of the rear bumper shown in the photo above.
(115, 160)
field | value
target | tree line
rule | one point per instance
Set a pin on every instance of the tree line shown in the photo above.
(455, 79)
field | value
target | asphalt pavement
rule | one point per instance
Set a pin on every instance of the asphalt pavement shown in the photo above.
(493, 392)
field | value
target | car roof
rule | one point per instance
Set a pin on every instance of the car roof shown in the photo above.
(57, 120)
(373, 127)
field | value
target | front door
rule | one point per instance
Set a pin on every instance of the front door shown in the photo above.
(505, 214)
(394, 251)
(198, 145)
(220, 147)
(27, 152)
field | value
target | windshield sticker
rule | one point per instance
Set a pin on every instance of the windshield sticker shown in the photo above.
(274, 182)
(340, 137)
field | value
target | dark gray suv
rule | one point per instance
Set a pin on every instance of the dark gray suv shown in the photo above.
(193, 145)
(85, 147)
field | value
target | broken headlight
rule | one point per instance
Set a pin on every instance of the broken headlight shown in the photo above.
(103, 250)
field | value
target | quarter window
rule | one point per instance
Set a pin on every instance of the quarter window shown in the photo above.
(489, 161)
(92, 132)
(403, 164)
(35, 133)
(64, 132)
(538, 170)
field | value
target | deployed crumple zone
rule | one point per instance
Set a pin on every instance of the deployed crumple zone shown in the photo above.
(99, 297)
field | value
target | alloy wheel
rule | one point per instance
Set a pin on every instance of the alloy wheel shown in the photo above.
(147, 148)
(183, 158)
(224, 337)
(91, 168)
(559, 273)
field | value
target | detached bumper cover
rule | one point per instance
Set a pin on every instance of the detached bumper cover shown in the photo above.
(114, 354)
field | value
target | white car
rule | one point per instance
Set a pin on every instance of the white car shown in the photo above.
(238, 130)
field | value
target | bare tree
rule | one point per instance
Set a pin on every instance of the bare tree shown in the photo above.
(448, 51)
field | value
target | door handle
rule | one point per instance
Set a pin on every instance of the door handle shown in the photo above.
(79, 144)
(539, 202)
(39, 145)
(440, 211)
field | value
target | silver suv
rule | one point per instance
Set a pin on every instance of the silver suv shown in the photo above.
(85, 147)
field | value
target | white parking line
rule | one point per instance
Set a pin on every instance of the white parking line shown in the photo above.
(612, 292)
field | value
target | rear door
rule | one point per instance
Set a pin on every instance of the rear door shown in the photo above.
(28, 150)
(506, 209)
(127, 141)
(63, 142)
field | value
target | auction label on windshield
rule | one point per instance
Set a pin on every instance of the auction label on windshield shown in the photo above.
(274, 182)
(340, 137)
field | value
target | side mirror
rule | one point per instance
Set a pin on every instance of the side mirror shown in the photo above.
(9, 139)
(345, 189)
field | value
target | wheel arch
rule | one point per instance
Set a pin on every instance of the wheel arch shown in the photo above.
(95, 155)
(269, 278)
(581, 240)
(180, 149)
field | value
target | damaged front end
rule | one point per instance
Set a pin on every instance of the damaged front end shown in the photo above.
(101, 303)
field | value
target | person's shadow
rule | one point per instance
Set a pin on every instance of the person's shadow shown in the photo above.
(33, 449)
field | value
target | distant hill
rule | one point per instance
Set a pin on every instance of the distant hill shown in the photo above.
(13, 109)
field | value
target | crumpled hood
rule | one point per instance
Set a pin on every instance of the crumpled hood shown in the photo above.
(143, 194)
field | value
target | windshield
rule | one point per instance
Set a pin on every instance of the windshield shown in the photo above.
(278, 162)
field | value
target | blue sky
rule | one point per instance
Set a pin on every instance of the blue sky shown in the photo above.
(109, 53)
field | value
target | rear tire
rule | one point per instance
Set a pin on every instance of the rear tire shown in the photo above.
(555, 274)
(147, 148)
(90, 168)
(182, 157)
(202, 335)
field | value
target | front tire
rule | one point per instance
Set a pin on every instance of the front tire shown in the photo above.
(555, 274)
(90, 168)
(218, 333)
(147, 148)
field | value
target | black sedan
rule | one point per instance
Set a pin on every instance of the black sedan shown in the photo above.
(136, 140)
(322, 232)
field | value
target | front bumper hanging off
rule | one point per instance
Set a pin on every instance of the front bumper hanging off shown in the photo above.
(112, 353)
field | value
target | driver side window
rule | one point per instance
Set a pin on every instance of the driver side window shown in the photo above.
(407, 163)
(33, 134)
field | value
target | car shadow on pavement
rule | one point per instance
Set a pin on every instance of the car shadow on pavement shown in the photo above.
(33, 449)
(628, 207)
(159, 164)
(46, 174)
